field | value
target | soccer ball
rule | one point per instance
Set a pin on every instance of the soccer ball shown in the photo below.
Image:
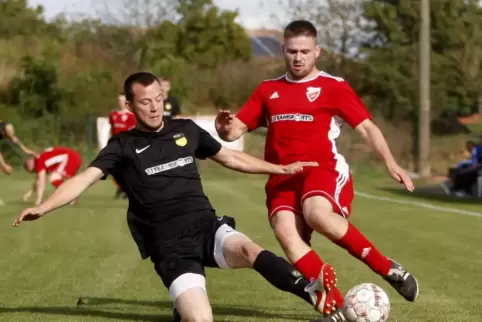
(367, 303)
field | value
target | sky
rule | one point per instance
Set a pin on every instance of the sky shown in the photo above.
(249, 10)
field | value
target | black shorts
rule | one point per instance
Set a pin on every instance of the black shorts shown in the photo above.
(189, 253)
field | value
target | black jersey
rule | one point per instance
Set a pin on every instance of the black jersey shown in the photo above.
(3, 124)
(159, 175)
(171, 107)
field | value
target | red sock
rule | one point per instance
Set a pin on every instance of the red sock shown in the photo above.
(310, 265)
(360, 247)
(57, 183)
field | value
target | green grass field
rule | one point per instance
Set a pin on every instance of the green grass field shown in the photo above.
(87, 251)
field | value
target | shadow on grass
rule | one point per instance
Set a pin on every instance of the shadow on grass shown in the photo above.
(93, 306)
(432, 192)
(72, 311)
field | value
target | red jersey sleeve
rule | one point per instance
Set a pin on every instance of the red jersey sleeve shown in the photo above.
(349, 106)
(111, 117)
(252, 112)
(111, 122)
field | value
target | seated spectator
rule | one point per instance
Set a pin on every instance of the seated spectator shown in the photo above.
(469, 147)
(465, 174)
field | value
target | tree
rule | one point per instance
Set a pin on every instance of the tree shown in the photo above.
(392, 51)
(18, 19)
(127, 26)
(210, 36)
(339, 23)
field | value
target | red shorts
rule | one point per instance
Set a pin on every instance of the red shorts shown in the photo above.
(289, 193)
(73, 165)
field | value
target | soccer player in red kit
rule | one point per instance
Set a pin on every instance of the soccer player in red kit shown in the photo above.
(59, 163)
(304, 111)
(121, 120)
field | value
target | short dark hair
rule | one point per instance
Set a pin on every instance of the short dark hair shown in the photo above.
(143, 78)
(300, 28)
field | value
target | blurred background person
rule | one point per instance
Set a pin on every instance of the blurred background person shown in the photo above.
(121, 119)
(172, 108)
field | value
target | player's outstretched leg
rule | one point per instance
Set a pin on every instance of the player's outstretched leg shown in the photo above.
(318, 213)
(193, 305)
(289, 229)
(241, 252)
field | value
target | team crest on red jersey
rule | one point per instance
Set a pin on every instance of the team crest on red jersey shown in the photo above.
(312, 93)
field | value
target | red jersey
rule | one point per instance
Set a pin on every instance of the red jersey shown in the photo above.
(57, 159)
(121, 121)
(304, 118)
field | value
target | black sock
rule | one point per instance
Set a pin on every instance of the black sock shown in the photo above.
(281, 274)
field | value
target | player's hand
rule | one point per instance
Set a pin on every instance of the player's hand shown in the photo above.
(399, 174)
(27, 195)
(8, 169)
(224, 120)
(28, 215)
(297, 167)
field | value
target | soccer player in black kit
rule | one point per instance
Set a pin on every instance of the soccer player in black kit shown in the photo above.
(169, 216)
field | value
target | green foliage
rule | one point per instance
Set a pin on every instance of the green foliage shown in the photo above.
(37, 90)
(176, 69)
(393, 56)
(210, 36)
(17, 18)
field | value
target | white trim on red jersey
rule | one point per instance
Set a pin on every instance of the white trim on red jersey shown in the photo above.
(320, 74)
(61, 160)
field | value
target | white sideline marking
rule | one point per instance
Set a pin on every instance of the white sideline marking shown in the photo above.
(419, 204)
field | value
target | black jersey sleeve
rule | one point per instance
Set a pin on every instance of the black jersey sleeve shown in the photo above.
(109, 158)
(207, 146)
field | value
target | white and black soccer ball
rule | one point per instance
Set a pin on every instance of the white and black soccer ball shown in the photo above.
(367, 303)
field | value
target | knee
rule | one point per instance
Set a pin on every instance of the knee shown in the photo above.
(317, 212)
(250, 251)
(319, 215)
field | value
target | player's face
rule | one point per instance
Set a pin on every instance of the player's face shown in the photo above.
(300, 54)
(165, 87)
(148, 106)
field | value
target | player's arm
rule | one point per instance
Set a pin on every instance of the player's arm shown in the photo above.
(71, 189)
(4, 166)
(231, 127)
(30, 192)
(22, 147)
(373, 137)
(209, 147)
(245, 163)
(40, 186)
(10, 131)
(106, 162)
(352, 110)
(64, 194)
